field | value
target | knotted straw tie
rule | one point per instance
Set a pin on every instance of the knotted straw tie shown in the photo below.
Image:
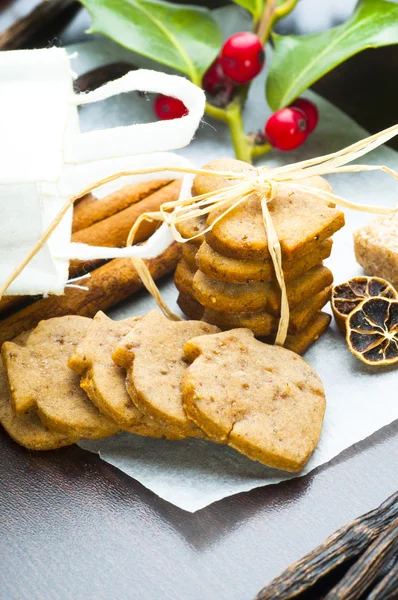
(262, 181)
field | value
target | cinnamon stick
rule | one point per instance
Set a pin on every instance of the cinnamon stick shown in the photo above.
(108, 285)
(11, 303)
(90, 209)
(146, 196)
(113, 231)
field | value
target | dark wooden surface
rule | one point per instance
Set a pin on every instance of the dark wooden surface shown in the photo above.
(74, 528)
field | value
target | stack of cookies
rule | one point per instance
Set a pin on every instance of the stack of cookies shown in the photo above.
(226, 276)
(73, 377)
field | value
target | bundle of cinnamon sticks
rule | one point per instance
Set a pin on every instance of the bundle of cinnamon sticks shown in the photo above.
(100, 222)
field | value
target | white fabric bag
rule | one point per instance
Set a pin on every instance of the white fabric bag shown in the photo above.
(45, 159)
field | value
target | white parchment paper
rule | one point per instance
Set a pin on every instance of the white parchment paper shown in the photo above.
(360, 400)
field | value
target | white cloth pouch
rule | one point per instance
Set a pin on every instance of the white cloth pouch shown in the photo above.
(45, 159)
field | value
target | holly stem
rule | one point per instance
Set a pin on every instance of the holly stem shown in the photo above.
(232, 116)
(271, 15)
(260, 149)
(266, 22)
(285, 9)
(244, 147)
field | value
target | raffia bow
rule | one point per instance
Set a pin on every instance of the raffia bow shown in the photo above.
(262, 181)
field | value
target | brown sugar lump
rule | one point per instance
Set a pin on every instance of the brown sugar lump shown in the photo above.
(264, 401)
(183, 278)
(190, 307)
(300, 223)
(234, 270)
(262, 323)
(153, 355)
(104, 382)
(39, 377)
(300, 342)
(27, 429)
(376, 248)
(232, 297)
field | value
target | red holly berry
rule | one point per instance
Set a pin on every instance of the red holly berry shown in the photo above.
(286, 129)
(309, 109)
(214, 79)
(242, 57)
(166, 108)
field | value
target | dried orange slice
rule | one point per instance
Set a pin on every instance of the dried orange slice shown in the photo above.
(348, 295)
(372, 331)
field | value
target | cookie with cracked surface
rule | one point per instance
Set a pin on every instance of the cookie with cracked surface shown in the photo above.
(235, 270)
(104, 382)
(262, 323)
(236, 297)
(26, 429)
(153, 356)
(47, 382)
(264, 401)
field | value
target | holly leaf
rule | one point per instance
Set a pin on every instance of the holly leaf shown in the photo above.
(299, 61)
(255, 7)
(182, 37)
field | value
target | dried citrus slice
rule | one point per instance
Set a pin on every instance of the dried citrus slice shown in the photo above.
(372, 331)
(348, 295)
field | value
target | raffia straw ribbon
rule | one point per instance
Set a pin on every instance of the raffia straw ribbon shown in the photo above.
(262, 181)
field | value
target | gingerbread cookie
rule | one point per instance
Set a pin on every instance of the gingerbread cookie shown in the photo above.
(189, 255)
(233, 297)
(39, 376)
(263, 323)
(300, 342)
(153, 356)
(192, 227)
(264, 401)
(203, 184)
(234, 270)
(104, 382)
(27, 429)
(300, 223)
(190, 307)
(183, 278)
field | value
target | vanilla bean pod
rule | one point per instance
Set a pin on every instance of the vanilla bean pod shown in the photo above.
(91, 80)
(388, 586)
(368, 568)
(24, 31)
(342, 547)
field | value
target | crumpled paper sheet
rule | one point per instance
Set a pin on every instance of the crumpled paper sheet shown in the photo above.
(360, 400)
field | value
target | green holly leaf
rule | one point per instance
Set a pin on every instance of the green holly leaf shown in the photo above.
(255, 7)
(299, 61)
(182, 37)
